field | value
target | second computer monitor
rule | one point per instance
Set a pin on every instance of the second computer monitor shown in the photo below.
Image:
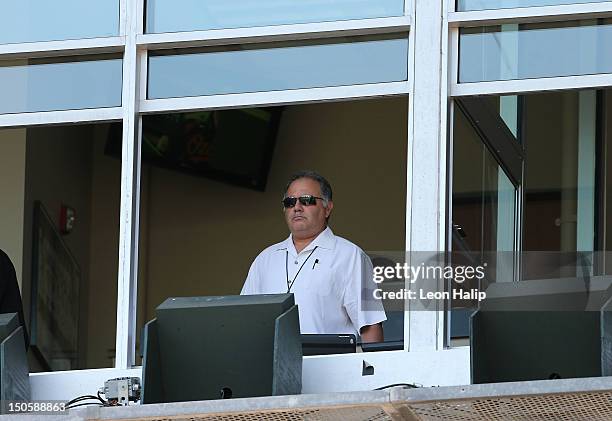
(220, 347)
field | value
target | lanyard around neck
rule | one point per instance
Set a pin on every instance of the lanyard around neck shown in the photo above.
(289, 285)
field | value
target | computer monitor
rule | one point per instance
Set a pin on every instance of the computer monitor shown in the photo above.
(14, 369)
(543, 329)
(200, 348)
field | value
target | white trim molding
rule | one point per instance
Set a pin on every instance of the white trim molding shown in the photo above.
(453, 57)
(125, 344)
(60, 117)
(274, 33)
(342, 373)
(410, 130)
(563, 12)
(260, 99)
(426, 202)
(62, 48)
(507, 87)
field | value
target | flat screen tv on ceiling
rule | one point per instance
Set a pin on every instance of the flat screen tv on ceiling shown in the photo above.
(231, 146)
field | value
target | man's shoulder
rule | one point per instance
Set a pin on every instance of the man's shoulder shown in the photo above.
(347, 246)
(281, 245)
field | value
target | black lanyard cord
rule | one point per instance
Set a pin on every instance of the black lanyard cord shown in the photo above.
(289, 285)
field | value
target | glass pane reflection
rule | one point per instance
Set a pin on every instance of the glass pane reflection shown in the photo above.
(255, 69)
(483, 203)
(43, 20)
(534, 50)
(37, 85)
(193, 15)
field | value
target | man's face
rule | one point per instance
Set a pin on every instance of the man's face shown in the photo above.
(306, 221)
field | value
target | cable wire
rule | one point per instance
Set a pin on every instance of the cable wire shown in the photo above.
(405, 385)
(85, 404)
(98, 401)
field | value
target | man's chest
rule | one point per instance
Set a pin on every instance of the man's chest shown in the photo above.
(318, 273)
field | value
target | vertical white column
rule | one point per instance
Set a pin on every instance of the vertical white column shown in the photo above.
(427, 158)
(131, 12)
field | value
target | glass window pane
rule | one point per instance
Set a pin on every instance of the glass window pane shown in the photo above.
(535, 50)
(564, 184)
(604, 184)
(560, 183)
(31, 85)
(465, 5)
(193, 15)
(197, 177)
(43, 20)
(60, 230)
(483, 218)
(483, 201)
(285, 66)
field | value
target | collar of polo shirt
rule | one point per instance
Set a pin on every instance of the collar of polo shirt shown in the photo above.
(326, 240)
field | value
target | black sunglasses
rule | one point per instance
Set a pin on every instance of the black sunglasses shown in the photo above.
(306, 200)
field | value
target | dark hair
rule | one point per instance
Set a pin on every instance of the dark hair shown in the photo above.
(326, 190)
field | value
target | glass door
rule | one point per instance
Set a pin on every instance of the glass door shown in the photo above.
(486, 174)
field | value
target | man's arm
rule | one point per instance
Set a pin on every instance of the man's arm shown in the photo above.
(251, 284)
(372, 333)
(366, 313)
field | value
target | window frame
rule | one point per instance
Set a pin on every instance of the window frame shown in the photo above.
(422, 329)
(561, 13)
(426, 357)
(534, 14)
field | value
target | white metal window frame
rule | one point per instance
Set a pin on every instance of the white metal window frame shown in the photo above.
(302, 31)
(560, 13)
(148, 42)
(426, 182)
(393, 366)
(555, 13)
(68, 48)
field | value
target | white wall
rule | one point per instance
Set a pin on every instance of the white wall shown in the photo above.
(104, 253)
(58, 172)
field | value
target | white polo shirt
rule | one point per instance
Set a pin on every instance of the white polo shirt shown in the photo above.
(328, 287)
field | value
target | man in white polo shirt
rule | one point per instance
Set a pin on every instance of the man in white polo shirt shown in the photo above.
(326, 273)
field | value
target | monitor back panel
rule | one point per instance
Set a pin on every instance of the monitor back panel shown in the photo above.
(518, 346)
(211, 345)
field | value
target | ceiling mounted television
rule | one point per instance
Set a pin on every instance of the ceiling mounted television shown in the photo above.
(231, 146)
